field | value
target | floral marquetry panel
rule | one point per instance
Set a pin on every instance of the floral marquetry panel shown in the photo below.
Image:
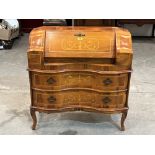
(82, 42)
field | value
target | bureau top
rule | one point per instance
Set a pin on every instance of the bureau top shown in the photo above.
(66, 41)
(73, 28)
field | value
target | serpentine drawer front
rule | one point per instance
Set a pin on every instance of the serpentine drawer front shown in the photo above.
(69, 98)
(65, 80)
(79, 68)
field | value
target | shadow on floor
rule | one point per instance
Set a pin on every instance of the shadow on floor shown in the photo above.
(47, 122)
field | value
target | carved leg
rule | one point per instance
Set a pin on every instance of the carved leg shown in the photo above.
(34, 118)
(124, 114)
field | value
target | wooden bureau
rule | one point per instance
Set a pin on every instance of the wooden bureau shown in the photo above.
(79, 68)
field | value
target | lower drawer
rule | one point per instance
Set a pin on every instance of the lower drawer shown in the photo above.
(78, 98)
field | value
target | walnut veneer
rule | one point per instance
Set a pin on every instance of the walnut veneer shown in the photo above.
(79, 68)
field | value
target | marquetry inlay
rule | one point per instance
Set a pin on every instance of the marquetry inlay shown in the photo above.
(79, 68)
(80, 44)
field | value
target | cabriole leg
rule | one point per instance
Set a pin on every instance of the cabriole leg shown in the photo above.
(124, 114)
(34, 118)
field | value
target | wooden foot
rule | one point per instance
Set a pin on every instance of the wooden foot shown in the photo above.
(124, 114)
(34, 118)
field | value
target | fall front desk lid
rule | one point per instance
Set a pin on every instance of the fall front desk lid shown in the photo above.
(74, 41)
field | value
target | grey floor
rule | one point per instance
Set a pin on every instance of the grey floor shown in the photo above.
(15, 98)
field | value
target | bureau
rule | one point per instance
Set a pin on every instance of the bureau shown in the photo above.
(79, 68)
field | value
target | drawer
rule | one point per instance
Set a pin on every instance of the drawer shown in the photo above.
(57, 81)
(79, 98)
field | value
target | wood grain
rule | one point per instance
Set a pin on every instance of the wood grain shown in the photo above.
(79, 68)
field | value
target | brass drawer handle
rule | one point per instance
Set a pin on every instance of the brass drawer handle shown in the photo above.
(107, 81)
(106, 100)
(51, 99)
(79, 34)
(51, 80)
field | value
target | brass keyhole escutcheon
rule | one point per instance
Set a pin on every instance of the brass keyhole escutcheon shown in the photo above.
(80, 36)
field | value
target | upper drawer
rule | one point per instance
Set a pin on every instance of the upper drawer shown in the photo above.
(58, 81)
(80, 43)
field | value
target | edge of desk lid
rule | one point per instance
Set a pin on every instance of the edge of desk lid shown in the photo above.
(79, 42)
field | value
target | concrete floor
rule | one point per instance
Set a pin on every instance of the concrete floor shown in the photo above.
(15, 98)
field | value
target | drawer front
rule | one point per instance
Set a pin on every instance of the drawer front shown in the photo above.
(79, 80)
(79, 98)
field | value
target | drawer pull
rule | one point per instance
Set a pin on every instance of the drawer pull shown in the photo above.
(51, 80)
(51, 99)
(106, 100)
(107, 81)
(79, 34)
